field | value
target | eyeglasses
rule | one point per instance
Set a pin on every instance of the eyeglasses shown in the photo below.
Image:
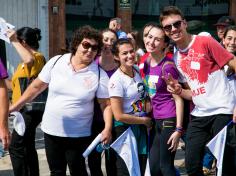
(87, 45)
(176, 24)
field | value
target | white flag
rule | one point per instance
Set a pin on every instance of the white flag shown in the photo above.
(4, 26)
(217, 147)
(126, 147)
(147, 170)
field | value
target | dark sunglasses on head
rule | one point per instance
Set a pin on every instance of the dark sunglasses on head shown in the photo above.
(176, 24)
(87, 45)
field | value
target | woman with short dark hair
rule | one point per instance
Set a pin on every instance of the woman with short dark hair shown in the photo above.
(73, 79)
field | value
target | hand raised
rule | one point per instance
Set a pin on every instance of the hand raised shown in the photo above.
(173, 85)
(11, 34)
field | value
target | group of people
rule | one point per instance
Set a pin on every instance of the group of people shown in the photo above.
(98, 88)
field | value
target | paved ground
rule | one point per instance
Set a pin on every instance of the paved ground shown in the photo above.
(6, 168)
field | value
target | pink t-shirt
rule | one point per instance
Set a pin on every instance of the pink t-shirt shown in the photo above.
(201, 66)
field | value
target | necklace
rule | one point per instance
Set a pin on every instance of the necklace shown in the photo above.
(77, 67)
(133, 75)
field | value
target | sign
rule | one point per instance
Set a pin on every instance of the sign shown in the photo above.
(4, 26)
(124, 4)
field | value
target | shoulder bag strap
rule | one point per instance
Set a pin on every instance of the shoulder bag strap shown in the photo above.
(163, 66)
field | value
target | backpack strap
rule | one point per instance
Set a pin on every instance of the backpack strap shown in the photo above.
(136, 70)
(145, 67)
(99, 75)
(168, 62)
(57, 60)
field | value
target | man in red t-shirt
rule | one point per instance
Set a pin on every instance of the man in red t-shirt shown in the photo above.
(200, 60)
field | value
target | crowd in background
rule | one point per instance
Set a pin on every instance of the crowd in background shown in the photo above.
(162, 82)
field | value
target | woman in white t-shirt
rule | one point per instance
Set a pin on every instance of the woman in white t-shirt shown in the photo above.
(128, 102)
(107, 62)
(229, 43)
(73, 79)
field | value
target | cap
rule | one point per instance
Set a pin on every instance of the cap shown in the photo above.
(225, 21)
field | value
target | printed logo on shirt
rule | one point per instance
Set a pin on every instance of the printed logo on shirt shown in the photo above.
(191, 66)
(195, 65)
(198, 91)
(150, 82)
(112, 86)
(139, 104)
(88, 83)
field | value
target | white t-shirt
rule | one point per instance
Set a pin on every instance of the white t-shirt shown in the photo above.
(132, 90)
(201, 65)
(69, 107)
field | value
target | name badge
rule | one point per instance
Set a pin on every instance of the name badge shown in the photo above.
(195, 65)
(153, 78)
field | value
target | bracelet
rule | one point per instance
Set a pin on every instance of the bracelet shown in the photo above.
(180, 130)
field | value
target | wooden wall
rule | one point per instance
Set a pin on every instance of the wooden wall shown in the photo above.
(57, 21)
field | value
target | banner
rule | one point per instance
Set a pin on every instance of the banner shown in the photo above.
(126, 147)
(217, 147)
(147, 170)
(4, 26)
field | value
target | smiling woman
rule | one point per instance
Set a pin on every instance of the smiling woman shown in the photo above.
(229, 39)
(107, 62)
(128, 102)
(74, 80)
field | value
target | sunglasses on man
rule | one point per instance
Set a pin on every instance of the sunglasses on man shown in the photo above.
(87, 45)
(176, 24)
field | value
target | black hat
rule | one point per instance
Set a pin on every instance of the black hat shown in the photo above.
(225, 21)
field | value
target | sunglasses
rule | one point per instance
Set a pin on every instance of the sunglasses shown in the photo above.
(176, 24)
(87, 45)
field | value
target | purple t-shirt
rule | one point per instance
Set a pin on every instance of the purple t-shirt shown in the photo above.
(163, 104)
(98, 116)
(3, 71)
(109, 72)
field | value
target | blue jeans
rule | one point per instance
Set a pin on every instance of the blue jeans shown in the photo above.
(208, 159)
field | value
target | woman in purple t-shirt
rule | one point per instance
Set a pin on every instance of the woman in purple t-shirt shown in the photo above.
(3, 71)
(4, 131)
(107, 62)
(167, 108)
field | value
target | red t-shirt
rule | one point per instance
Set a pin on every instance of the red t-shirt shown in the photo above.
(200, 65)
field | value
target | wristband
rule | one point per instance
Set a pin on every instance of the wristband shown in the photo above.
(180, 130)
